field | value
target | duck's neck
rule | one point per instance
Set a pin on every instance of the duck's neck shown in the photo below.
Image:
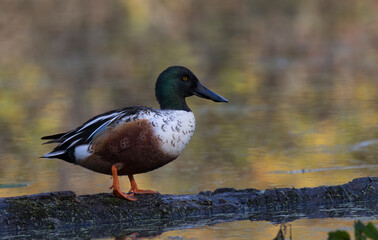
(173, 102)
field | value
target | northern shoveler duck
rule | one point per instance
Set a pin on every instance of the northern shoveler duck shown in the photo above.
(136, 139)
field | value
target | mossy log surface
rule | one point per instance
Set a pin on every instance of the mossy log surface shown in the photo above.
(66, 210)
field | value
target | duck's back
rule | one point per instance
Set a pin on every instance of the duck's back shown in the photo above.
(140, 138)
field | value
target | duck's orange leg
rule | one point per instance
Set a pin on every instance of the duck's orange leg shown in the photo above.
(116, 190)
(134, 188)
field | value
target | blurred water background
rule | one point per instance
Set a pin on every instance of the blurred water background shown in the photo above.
(300, 77)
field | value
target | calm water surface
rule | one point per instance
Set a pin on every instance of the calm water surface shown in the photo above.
(301, 82)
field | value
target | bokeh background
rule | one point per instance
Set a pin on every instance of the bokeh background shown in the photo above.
(300, 76)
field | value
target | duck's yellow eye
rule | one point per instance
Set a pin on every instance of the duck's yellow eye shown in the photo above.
(184, 78)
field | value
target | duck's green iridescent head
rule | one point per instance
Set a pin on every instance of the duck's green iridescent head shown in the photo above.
(176, 83)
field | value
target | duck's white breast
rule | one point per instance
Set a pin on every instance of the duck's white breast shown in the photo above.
(173, 129)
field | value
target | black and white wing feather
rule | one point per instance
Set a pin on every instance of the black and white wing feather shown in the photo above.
(85, 133)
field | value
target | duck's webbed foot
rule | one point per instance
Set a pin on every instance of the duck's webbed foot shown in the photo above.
(135, 190)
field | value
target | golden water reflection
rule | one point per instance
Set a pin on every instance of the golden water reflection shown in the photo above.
(311, 229)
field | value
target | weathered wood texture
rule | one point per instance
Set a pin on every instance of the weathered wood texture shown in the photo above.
(58, 210)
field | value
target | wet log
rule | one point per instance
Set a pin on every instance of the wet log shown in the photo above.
(52, 212)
